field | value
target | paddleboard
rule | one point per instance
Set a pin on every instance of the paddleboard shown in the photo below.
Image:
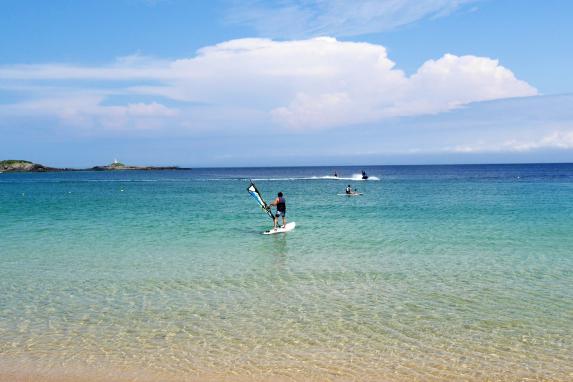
(288, 227)
(353, 194)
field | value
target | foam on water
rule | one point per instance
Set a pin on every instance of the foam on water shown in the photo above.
(354, 177)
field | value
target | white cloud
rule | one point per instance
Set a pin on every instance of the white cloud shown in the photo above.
(558, 139)
(301, 84)
(87, 111)
(443, 84)
(304, 18)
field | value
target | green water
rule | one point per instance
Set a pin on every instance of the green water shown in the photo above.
(435, 273)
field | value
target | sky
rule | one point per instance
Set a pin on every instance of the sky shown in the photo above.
(286, 82)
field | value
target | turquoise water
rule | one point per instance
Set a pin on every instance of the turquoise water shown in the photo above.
(435, 273)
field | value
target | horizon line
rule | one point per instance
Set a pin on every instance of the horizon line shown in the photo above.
(183, 167)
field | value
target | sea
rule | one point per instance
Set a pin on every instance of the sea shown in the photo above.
(435, 273)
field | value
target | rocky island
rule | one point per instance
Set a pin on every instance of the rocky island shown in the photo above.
(117, 166)
(13, 165)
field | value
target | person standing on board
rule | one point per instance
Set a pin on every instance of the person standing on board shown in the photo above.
(348, 190)
(280, 203)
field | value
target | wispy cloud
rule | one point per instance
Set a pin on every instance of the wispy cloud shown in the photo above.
(562, 138)
(308, 18)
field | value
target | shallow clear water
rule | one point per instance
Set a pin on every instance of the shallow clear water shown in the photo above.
(435, 273)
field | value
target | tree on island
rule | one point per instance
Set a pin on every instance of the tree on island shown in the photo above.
(11, 162)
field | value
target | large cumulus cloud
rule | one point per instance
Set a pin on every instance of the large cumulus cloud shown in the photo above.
(303, 84)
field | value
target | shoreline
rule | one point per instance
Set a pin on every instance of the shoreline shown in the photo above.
(14, 369)
(95, 376)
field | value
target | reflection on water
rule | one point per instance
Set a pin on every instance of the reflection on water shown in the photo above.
(279, 248)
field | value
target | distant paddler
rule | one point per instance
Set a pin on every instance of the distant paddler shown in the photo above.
(349, 192)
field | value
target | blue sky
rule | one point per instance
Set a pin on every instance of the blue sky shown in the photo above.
(235, 83)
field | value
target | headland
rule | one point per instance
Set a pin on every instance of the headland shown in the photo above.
(15, 165)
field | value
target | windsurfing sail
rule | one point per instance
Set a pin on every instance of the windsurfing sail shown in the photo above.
(254, 192)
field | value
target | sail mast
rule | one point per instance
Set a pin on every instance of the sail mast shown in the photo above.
(254, 192)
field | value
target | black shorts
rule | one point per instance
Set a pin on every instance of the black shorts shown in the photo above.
(280, 213)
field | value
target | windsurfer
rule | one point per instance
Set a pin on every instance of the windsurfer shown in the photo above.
(280, 204)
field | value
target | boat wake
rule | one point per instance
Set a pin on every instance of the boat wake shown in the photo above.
(354, 178)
